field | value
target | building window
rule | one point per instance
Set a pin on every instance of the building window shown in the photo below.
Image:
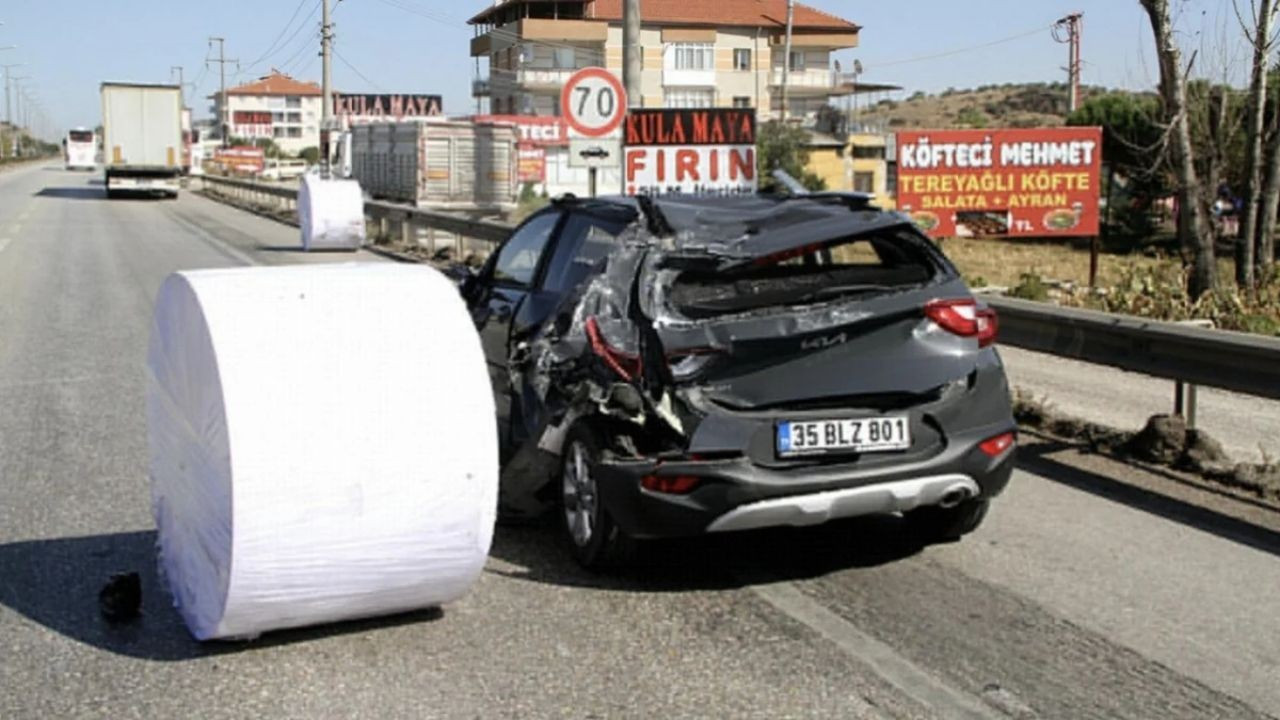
(293, 102)
(689, 98)
(293, 117)
(868, 152)
(741, 101)
(864, 182)
(277, 132)
(564, 58)
(277, 117)
(293, 132)
(742, 59)
(693, 56)
(797, 60)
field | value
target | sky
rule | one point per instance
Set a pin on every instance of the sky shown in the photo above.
(421, 46)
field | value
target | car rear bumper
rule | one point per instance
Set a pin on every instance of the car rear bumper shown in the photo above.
(738, 494)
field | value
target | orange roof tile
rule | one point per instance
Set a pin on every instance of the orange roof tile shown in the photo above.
(739, 13)
(277, 83)
(749, 13)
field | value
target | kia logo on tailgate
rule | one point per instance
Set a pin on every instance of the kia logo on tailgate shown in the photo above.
(822, 343)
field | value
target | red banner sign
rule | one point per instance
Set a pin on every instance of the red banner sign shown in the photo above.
(240, 159)
(698, 152)
(531, 164)
(1015, 182)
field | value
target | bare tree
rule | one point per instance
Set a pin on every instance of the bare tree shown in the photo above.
(1260, 39)
(1193, 229)
(1270, 196)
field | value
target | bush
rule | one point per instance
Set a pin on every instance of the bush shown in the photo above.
(1159, 292)
(311, 155)
(1031, 287)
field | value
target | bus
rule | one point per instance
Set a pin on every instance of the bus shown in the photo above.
(80, 149)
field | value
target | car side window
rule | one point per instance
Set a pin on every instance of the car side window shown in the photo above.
(518, 260)
(583, 242)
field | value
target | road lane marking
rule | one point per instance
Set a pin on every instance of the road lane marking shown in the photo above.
(902, 673)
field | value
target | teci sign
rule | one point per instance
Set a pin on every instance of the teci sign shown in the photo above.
(698, 152)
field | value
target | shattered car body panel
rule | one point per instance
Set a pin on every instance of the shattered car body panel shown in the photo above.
(710, 322)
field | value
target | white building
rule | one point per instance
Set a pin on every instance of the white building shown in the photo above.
(275, 106)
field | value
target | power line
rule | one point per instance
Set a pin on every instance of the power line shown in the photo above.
(292, 37)
(353, 69)
(958, 51)
(272, 47)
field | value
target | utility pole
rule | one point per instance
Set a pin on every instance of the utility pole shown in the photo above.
(8, 107)
(786, 57)
(326, 86)
(1072, 24)
(631, 61)
(223, 114)
(182, 86)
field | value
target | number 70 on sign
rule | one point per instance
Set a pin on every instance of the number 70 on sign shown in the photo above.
(593, 102)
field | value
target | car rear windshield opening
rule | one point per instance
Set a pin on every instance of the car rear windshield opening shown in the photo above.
(865, 265)
(81, 136)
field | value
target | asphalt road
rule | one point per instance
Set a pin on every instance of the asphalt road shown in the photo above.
(1094, 590)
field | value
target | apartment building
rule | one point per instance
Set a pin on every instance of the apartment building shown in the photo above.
(274, 106)
(726, 53)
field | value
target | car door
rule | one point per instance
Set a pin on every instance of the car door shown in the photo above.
(506, 283)
(582, 240)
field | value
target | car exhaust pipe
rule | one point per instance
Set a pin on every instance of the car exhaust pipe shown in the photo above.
(954, 496)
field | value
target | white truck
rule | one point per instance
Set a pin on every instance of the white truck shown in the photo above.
(142, 142)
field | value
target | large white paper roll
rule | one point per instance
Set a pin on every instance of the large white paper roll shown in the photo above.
(330, 213)
(322, 444)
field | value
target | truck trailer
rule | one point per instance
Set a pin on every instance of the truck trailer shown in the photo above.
(460, 165)
(142, 142)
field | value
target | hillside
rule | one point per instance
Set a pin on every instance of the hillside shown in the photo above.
(1010, 105)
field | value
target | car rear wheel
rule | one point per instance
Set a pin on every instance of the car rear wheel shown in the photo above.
(937, 524)
(593, 538)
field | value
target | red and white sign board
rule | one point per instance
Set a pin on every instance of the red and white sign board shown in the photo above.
(534, 129)
(695, 152)
(594, 102)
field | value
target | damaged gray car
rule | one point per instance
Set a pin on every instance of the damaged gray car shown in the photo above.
(677, 366)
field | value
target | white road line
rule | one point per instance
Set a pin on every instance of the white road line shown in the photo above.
(895, 669)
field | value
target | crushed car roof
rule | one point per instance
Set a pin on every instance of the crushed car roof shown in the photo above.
(754, 226)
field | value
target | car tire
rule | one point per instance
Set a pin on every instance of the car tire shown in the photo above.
(594, 540)
(936, 524)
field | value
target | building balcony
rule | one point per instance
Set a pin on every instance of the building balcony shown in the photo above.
(481, 87)
(540, 29)
(814, 81)
(545, 79)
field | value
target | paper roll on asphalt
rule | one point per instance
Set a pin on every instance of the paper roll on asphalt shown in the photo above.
(322, 445)
(330, 213)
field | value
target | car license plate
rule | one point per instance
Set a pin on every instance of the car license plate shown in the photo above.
(821, 437)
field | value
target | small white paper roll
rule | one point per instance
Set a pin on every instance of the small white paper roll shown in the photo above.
(330, 213)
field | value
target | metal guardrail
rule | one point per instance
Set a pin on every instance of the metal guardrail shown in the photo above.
(1239, 362)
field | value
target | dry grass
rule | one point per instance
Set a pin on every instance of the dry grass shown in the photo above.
(1003, 262)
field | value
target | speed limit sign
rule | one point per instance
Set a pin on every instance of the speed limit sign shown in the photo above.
(593, 102)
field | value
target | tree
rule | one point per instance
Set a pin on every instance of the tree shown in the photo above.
(779, 145)
(1193, 229)
(1129, 137)
(1261, 41)
(310, 154)
(972, 117)
(1271, 189)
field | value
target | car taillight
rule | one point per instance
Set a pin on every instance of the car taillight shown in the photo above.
(997, 445)
(627, 366)
(964, 318)
(670, 485)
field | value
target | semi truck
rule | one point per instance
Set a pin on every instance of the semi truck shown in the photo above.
(142, 142)
(462, 165)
